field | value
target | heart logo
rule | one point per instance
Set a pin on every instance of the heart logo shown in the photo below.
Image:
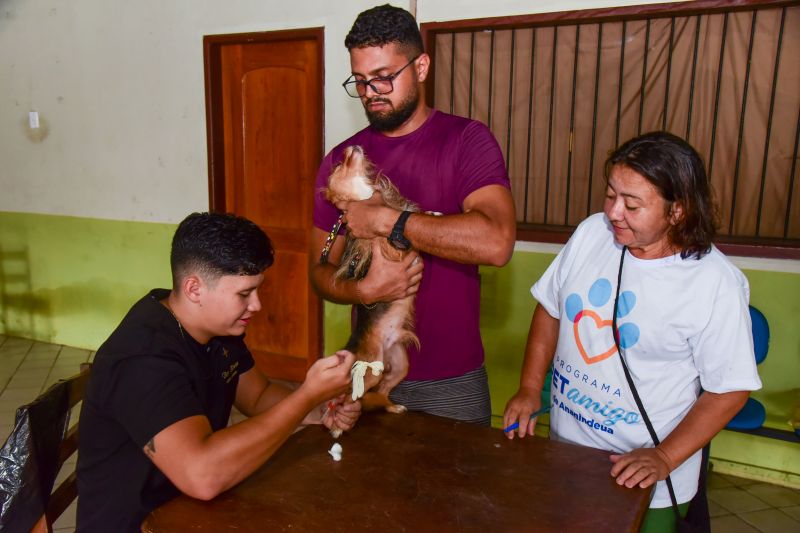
(599, 324)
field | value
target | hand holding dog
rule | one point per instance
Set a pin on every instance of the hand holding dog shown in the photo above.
(370, 218)
(343, 415)
(389, 280)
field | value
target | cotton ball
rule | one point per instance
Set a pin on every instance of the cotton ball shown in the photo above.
(336, 451)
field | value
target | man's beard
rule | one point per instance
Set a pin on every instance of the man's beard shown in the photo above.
(394, 118)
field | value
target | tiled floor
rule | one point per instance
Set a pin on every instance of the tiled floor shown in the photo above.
(741, 505)
(27, 368)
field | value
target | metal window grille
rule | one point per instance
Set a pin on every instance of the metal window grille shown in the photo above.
(560, 95)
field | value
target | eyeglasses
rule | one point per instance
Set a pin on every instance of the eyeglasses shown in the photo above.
(379, 84)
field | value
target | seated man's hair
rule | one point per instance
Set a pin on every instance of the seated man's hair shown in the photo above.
(386, 24)
(216, 244)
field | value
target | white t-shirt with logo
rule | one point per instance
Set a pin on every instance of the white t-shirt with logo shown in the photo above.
(683, 324)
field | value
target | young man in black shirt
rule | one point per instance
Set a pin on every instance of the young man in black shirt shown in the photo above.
(155, 416)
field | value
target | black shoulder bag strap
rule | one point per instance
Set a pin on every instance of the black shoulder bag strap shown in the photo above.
(656, 441)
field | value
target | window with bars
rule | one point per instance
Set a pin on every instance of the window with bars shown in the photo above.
(561, 90)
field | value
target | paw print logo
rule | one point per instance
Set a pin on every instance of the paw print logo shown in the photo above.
(595, 342)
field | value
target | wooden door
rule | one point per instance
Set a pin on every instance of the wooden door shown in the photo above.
(264, 123)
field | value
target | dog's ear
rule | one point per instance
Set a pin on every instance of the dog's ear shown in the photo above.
(369, 169)
(391, 195)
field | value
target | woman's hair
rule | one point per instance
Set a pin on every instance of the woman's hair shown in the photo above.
(677, 171)
(218, 244)
(386, 24)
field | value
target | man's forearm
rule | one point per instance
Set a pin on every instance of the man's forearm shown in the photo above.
(470, 238)
(270, 396)
(214, 461)
(337, 291)
(483, 234)
(235, 452)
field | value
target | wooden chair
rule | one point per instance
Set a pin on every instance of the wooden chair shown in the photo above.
(41, 442)
(67, 491)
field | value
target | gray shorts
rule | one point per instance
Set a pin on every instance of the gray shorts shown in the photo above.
(464, 398)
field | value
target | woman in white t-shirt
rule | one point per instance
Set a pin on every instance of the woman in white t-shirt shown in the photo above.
(682, 324)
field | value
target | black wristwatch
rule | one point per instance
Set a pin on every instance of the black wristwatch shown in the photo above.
(396, 237)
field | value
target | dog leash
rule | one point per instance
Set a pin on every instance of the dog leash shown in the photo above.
(326, 250)
(323, 258)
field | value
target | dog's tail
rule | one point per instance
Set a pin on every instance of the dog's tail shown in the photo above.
(407, 336)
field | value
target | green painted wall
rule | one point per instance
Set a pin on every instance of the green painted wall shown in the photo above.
(70, 280)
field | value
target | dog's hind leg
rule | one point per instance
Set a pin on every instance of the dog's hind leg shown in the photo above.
(396, 360)
(372, 401)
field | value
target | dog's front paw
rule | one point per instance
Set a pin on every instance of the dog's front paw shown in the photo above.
(396, 409)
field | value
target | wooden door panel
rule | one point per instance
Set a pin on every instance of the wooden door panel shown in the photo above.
(265, 142)
(274, 152)
(282, 326)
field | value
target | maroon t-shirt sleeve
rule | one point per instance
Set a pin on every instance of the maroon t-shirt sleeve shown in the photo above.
(480, 161)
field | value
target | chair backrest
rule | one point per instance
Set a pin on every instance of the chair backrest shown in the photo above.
(67, 490)
(42, 440)
(760, 334)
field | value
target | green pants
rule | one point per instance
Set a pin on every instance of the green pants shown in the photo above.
(662, 520)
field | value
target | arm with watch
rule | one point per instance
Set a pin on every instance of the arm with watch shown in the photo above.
(483, 234)
(397, 237)
(385, 281)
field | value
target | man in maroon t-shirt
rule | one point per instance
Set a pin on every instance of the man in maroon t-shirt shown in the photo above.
(445, 164)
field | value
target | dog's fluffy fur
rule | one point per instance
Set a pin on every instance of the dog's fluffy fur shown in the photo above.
(383, 330)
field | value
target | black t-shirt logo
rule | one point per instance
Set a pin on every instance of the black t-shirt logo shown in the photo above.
(229, 374)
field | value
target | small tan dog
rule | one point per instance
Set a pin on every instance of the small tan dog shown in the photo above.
(383, 329)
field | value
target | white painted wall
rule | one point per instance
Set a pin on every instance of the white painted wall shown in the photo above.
(119, 89)
(118, 86)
